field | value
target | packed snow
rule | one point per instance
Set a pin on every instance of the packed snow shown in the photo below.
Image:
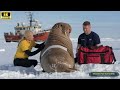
(9, 71)
(2, 50)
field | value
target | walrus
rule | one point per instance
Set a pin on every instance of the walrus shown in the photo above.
(57, 56)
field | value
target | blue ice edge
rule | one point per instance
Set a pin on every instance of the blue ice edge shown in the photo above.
(103, 74)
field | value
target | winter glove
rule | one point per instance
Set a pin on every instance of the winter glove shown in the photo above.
(40, 46)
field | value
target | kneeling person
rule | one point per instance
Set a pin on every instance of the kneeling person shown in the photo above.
(88, 39)
(24, 51)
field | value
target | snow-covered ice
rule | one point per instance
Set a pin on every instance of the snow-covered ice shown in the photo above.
(8, 71)
(2, 50)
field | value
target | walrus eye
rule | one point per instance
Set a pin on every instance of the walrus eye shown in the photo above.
(69, 30)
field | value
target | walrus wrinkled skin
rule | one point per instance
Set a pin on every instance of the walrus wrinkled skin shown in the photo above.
(57, 59)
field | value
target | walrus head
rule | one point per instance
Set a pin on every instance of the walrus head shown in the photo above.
(59, 35)
(61, 28)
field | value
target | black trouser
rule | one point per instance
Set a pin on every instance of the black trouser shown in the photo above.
(25, 62)
(75, 59)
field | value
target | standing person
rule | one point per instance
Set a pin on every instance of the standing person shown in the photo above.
(88, 38)
(24, 51)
